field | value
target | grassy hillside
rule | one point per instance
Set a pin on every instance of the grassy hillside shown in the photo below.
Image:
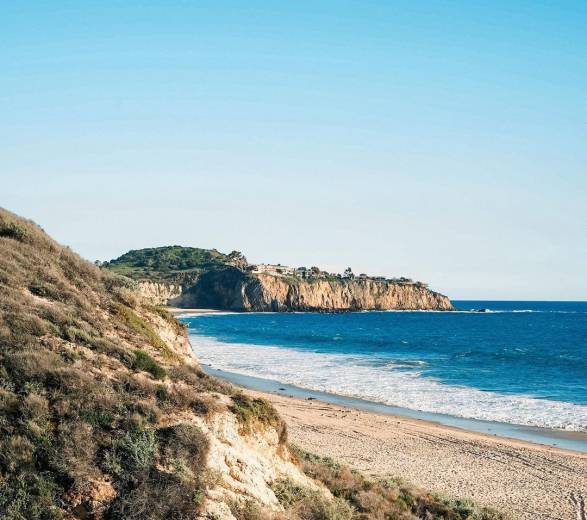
(100, 404)
(85, 385)
(171, 263)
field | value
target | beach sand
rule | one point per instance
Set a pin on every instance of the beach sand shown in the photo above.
(529, 481)
(186, 313)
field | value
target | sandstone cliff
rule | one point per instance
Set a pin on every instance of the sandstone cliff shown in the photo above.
(232, 289)
(159, 293)
(271, 293)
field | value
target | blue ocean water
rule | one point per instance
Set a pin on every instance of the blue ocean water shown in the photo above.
(519, 362)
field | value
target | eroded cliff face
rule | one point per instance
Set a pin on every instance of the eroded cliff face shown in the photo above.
(241, 463)
(235, 290)
(159, 293)
(232, 289)
(271, 293)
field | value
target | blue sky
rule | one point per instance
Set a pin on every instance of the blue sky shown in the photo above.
(440, 140)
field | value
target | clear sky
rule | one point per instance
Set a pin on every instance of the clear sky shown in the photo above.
(441, 140)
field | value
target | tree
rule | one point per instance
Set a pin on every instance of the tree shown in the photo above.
(348, 273)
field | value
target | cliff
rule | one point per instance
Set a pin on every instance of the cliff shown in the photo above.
(229, 288)
(159, 293)
(271, 293)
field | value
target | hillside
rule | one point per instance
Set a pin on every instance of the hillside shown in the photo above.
(174, 264)
(189, 277)
(104, 413)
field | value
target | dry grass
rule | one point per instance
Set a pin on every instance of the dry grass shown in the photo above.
(84, 383)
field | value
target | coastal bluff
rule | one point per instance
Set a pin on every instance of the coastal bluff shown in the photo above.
(200, 278)
(267, 293)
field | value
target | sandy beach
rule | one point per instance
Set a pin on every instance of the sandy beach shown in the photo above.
(530, 481)
(186, 313)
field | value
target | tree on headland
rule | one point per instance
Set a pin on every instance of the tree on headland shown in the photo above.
(348, 273)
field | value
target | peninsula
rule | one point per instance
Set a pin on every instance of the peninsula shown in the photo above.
(205, 278)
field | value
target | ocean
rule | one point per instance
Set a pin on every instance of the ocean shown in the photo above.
(519, 363)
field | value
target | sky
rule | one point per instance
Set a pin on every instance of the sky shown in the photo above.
(440, 140)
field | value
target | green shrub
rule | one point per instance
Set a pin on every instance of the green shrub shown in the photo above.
(186, 446)
(145, 362)
(109, 348)
(248, 411)
(97, 417)
(289, 493)
(138, 449)
(29, 496)
(13, 230)
(249, 510)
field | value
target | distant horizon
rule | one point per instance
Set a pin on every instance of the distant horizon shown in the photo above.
(443, 142)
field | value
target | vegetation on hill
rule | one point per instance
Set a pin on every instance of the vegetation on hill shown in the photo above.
(171, 263)
(85, 385)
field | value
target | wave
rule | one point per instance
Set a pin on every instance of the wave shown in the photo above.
(479, 312)
(356, 376)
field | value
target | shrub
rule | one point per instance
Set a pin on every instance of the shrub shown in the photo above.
(199, 380)
(152, 493)
(29, 496)
(304, 503)
(289, 493)
(317, 507)
(107, 347)
(138, 449)
(249, 411)
(249, 510)
(185, 442)
(143, 361)
(13, 230)
(76, 335)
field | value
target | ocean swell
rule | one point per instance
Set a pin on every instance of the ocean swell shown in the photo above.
(357, 376)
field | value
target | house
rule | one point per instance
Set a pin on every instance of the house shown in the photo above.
(274, 269)
(303, 272)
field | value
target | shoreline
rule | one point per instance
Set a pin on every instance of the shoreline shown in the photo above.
(528, 480)
(565, 441)
(180, 312)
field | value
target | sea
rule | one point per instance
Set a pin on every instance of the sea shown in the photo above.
(522, 364)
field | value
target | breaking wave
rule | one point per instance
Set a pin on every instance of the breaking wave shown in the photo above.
(355, 375)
